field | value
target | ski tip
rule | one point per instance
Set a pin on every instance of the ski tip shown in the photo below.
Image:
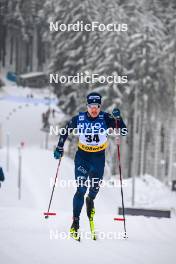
(78, 239)
(75, 235)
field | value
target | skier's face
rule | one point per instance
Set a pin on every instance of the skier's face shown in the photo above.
(93, 110)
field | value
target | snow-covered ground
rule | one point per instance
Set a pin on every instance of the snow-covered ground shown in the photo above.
(26, 237)
(21, 114)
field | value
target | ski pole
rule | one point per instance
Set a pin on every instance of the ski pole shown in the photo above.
(120, 172)
(48, 212)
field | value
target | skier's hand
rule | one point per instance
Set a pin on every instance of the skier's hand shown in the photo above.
(58, 153)
(116, 113)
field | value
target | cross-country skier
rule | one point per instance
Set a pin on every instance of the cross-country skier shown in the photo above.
(90, 156)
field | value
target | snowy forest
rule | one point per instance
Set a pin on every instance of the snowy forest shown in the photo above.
(146, 53)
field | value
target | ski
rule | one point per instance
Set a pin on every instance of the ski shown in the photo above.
(90, 213)
(92, 226)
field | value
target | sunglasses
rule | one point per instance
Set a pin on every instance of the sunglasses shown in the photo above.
(93, 106)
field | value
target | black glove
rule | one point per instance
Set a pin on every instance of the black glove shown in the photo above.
(116, 113)
(58, 153)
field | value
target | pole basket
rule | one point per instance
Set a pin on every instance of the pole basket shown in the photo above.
(48, 214)
(119, 219)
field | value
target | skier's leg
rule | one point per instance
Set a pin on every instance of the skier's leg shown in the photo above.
(78, 200)
(96, 174)
(93, 191)
(81, 176)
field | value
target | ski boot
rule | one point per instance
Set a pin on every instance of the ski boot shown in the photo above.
(74, 229)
